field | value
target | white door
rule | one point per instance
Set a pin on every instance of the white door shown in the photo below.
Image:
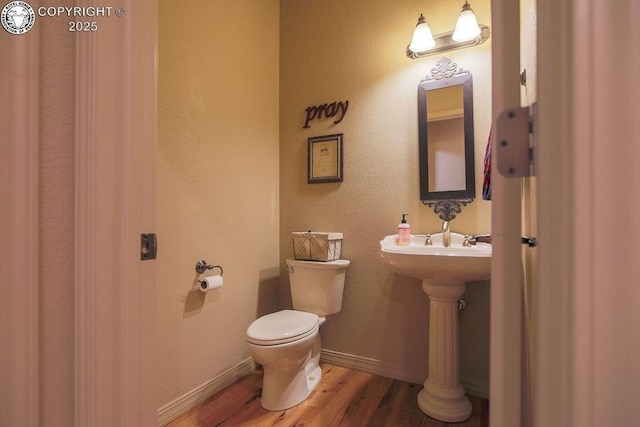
(114, 118)
(588, 199)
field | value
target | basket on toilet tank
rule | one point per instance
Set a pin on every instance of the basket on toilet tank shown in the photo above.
(317, 246)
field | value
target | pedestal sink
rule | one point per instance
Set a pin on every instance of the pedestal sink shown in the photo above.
(444, 273)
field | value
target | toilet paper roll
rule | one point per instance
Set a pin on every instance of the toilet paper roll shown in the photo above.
(211, 282)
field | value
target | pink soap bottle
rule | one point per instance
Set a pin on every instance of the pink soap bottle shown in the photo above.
(404, 232)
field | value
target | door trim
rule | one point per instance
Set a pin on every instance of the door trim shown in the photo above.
(19, 210)
(506, 229)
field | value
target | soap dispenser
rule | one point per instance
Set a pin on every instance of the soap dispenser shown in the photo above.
(404, 232)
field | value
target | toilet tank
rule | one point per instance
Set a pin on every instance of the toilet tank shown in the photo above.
(317, 287)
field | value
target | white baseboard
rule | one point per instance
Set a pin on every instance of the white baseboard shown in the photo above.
(397, 371)
(475, 387)
(199, 394)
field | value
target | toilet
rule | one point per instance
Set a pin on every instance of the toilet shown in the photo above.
(287, 343)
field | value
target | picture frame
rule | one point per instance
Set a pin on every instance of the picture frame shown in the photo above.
(325, 162)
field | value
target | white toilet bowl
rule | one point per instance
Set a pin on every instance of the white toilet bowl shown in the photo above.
(287, 343)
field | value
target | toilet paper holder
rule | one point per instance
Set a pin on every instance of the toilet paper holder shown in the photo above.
(202, 266)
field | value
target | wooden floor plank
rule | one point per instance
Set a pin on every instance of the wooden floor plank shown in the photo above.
(361, 401)
(364, 404)
(382, 414)
(405, 408)
(333, 380)
(222, 405)
(334, 414)
(344, 397)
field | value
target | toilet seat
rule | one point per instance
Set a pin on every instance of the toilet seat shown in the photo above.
(282, 327)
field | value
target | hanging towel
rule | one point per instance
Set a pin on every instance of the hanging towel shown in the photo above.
(486, 183)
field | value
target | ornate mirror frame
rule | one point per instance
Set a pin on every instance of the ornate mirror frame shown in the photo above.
(447, 203)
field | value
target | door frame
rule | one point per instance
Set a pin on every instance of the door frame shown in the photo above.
(19, 251)
(506, 229)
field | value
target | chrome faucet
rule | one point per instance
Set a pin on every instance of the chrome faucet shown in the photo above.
(446, 234)
(478, 238)
(486, 238)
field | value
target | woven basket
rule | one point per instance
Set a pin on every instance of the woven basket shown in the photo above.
(316, 246)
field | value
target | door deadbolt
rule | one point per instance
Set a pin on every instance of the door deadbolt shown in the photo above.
(148, 246)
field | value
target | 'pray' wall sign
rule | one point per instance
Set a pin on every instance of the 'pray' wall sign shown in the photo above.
(329, 110)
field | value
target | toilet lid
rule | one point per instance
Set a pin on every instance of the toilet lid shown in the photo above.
(282, 327)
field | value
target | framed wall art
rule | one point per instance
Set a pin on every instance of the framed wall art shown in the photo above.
(325, 159)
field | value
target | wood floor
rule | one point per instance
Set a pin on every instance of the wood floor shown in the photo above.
(344, 397)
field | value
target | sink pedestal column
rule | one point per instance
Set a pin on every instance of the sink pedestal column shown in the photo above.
(443, 397)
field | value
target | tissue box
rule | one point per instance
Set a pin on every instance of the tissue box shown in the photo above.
(316, 246)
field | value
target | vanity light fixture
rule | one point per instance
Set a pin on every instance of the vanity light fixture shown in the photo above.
(467, 33)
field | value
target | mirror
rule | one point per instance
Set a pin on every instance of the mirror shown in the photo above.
(445, 133)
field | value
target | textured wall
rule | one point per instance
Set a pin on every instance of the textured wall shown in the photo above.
(217, 183)
(337, 50)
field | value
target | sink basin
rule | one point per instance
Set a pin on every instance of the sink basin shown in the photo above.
(437, 264)
(444, 273)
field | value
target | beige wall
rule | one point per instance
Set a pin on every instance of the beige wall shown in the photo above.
(337, 50)
(224, 194)
(217, 183)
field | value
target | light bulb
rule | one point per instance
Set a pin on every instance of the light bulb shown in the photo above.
(422, 37)
(467, 27)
